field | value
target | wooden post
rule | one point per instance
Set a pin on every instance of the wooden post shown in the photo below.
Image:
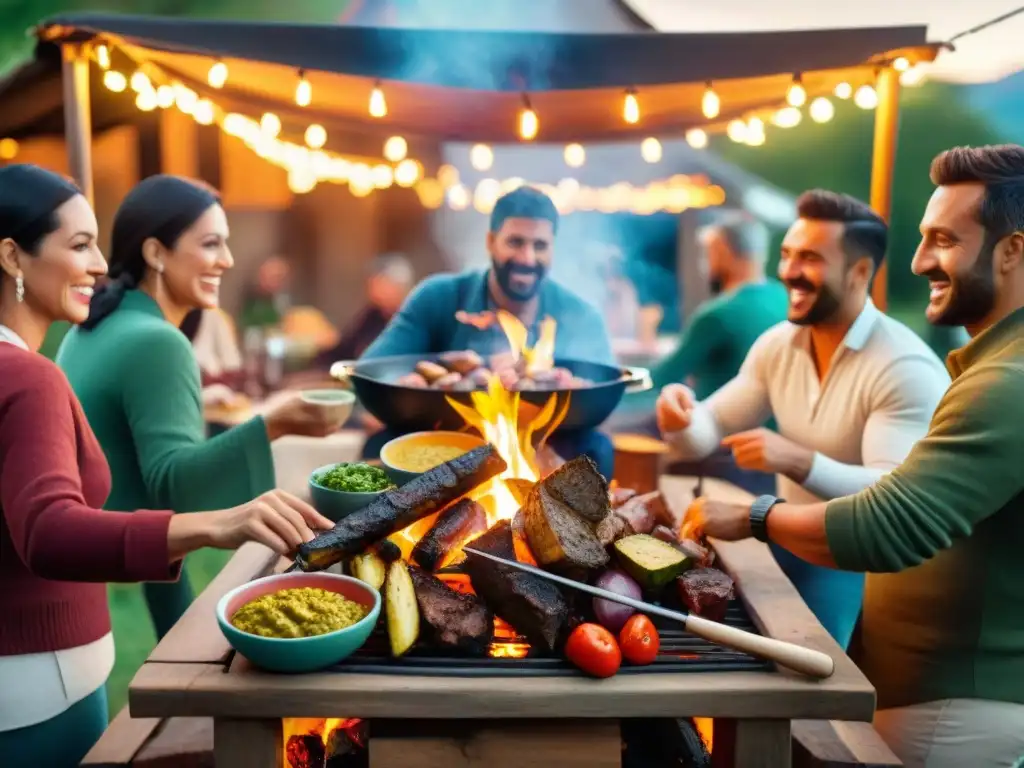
(247, 743)
(78, 115)
(883, 160)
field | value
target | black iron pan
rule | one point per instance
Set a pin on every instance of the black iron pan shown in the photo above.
(410, 409)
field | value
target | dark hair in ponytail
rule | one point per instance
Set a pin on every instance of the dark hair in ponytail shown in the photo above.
(29, 199)
(162, 207)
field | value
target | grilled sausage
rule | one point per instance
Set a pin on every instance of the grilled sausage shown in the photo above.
(430, 371)
(462, 362)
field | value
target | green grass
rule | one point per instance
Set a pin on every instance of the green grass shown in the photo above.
(133, 631)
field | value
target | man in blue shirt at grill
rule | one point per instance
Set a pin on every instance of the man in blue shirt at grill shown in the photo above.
(448, 312)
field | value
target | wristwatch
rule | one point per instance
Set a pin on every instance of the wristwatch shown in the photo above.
(759, 515)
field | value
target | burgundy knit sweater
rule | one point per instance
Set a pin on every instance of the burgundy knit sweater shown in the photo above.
(57, 547)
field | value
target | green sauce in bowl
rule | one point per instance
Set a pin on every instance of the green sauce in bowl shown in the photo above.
(355, 478)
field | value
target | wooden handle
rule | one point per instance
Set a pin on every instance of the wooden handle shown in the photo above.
(803, 660)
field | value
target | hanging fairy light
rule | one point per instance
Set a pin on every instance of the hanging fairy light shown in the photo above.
(115, 81)
(913, 76)
(787, 117)
(103, 56)
(843, 90)
(650, 150)
(821, 110)
(204, 112)
(697, 138)
(631, 108)
(407, 173)
(165, 96)
(866, 97)
(140, 82)
(754, 133)
(395, 149)
(528, 122)
(575, 156)
(378, 104)
(218, 75)
(270, 124)
(146, 101)
(901, 64)
(737, 131)
(710, 104)
(481, 157)
(315, 136)
(796, 96)
(303, 90)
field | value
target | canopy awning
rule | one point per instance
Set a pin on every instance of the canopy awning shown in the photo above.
(470, 85)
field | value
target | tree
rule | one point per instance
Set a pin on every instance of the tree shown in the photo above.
(837, 156)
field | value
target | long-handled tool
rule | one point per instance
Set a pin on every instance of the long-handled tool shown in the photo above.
(804, 660)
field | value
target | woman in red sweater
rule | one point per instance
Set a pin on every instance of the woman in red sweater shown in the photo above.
(57, 547)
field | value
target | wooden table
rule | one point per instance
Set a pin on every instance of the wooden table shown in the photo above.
(520, 721)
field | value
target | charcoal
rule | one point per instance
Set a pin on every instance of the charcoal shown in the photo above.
(306, 751)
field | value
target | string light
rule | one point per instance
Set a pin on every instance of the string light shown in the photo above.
(315, 136)
(787, 117)
(913, 76)
(796, 96)
(866, 97)
(395, 149)
(304, 91)
(650, 150)
(481, 157)
(843, 91)
(8, 149)
(165, 96)
(737, 131)
(448, 176)
(140, 82)
(114, 80)
(378, 105)
(103, 56)
(146, 101)
(270, 124)
(528, 122)
(407, 173)
(901, 64)
(575, 156)
(710, 104)
(203, 112)
(697, 138)
(631, 108)
(821, 110)
(218, 74)
(754, 134)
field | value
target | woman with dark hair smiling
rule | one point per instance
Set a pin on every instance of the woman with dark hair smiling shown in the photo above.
(57, 547)
(137, 377)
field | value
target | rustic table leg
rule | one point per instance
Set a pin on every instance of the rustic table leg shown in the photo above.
(247, 743)
(762, 744)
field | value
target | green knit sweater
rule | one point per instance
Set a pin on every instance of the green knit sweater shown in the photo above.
(942, 536)
(138, 382)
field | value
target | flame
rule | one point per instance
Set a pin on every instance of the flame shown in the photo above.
(509, 424)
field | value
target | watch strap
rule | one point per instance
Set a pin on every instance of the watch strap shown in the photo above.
(759, 515)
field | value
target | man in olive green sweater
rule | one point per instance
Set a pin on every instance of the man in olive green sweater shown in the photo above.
(942, 535)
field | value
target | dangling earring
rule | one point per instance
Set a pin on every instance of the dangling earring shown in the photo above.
(19, 289)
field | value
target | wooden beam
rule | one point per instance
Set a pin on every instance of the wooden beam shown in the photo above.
(78, 115)
(883, 162)
(248, 743)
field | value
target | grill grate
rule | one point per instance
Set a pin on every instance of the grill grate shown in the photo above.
(680, 652)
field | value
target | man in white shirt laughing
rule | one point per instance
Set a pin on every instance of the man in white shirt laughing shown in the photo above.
(850, 388)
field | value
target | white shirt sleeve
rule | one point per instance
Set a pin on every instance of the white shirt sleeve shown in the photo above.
(741, 404)
(902, 409)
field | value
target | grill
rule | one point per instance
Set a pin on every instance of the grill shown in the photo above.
(679, 652)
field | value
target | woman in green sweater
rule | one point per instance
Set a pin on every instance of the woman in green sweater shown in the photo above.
(138, 381)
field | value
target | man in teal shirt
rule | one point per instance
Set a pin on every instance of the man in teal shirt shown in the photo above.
(721, 331)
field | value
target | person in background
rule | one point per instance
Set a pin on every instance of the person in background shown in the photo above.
(940, 536)
(391, 278)
(457, 312)
(851, 389)
(212, 333)
(269, 300)
(57, 547)
(137, 377)
(721, 332)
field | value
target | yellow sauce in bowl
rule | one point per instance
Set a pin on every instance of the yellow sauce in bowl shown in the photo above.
(299, 612)
(422, 451)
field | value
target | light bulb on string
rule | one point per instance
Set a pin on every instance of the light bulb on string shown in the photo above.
(697, 138)
(821, 110)
(270, 124)
(913, 76)
(395, 149)
(631, 108)
(140, 82)
(115, 81)
(528, 122)
(204, 112)
(103, 56)
(866, 97)
(754, 133)
(787, 117)
(218, 74)
(315, 136)
(710, 104)
(146, 101)
(407, 173)
(165, 96)
(575, 155)
(737, 131)
(303, 91)
(481, 157)
(650, 150)
(901, 64)
(796, 96)
(843, 90)
(378, 105)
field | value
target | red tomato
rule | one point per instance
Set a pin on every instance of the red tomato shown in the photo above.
(593, 649)
(639, 640)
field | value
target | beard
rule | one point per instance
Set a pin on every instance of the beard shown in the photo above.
(970, 297)
(506, 274)
(825, 306)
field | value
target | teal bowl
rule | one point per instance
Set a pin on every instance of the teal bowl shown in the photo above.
(299, 654)
(463, 440)
(335, 505)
